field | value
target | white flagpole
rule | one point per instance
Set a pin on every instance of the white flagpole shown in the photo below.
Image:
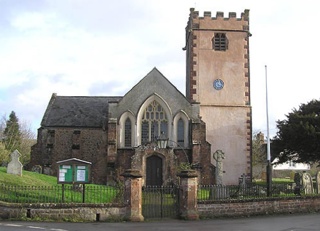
(269, 169)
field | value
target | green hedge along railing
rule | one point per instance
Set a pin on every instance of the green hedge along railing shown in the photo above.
(94, 194)
(248, 191)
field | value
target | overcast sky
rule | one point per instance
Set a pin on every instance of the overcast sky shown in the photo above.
(104, 47)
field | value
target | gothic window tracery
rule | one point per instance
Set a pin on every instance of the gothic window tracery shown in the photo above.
(154, 121)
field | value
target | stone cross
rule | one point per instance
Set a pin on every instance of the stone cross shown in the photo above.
(219, 156)
(15, 166)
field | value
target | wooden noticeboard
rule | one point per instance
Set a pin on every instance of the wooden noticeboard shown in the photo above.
(74, 171)
(65, 174)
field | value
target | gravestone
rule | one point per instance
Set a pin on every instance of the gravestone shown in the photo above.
(318, 182)
(298, 184)
(37, 169)
(15, 166)
(307, 183)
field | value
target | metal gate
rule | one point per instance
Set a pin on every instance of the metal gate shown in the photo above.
(160, 201)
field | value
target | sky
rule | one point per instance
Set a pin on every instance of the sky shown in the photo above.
(104, 47)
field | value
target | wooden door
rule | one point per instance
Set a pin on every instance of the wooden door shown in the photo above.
(154, 171)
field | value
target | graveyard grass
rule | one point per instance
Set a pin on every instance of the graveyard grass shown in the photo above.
(100, 194)
(27, 179)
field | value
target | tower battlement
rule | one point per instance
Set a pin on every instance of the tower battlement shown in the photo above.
(219, 15)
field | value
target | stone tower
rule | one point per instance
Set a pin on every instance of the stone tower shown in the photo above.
(218, 78)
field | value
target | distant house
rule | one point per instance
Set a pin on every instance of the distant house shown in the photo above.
(290, 165)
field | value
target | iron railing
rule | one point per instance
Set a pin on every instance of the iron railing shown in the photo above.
(94, 194)
(248, 191)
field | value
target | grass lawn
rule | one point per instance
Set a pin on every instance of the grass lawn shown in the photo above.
(33, 187)
(27, 179)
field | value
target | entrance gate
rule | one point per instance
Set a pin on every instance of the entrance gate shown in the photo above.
(160, 201)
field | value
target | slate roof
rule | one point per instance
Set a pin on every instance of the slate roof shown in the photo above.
(77, 111)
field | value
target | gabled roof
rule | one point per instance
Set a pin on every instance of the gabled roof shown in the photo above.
(77, 111)
(154, 84)
(93, 111)
(153, 81)
(74, 160)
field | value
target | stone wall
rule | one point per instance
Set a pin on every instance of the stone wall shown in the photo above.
(63, 212)
(108, 161)
(65, 143)
(259, 207)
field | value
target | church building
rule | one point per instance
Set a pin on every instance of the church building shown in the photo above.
(156, 129)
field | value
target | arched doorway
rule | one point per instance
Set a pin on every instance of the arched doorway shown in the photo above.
(154, 171)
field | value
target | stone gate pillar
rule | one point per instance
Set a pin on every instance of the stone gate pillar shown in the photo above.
(133, 194)
(188, 205)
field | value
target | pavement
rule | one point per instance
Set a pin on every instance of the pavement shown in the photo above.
(301, 222)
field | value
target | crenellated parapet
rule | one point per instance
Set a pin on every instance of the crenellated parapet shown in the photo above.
(197, 22)
(220, 15)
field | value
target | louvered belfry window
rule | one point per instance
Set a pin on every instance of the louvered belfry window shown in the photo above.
(220, 42)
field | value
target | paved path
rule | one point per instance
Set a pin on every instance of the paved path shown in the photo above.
(308, 222)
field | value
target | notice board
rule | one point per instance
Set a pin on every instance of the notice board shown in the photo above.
(74, 171)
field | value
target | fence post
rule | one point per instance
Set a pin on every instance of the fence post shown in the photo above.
(133, 194)
(188, 204)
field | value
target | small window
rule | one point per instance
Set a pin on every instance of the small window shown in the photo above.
(75, 146)
(127, 133)
(220, 42)
(181, 132)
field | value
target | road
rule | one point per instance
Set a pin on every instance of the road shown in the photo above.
(307, 222)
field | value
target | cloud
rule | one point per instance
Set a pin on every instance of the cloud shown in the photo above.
(92, 47)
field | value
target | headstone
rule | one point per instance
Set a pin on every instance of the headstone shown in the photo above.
(307, 183)
(15, 166)
(219, 156)
(298, 184)
(318, 182)
(37, 169)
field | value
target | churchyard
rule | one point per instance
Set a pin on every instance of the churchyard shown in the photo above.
(47, 197)
(33, 191)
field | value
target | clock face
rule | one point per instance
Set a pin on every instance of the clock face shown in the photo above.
(218, 84)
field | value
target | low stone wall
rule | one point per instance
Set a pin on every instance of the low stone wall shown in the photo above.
(259, 207)
(63, 212)
(112, 212)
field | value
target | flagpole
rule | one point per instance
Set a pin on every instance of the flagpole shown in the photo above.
(269, 166)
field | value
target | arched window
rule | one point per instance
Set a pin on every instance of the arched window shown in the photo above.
(180, 138)
(181, 129)
(154, 121)
(127, 133)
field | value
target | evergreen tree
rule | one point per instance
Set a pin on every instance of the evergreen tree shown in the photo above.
(12, 135)
(298, 136)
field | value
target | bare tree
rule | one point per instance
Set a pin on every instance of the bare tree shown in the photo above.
(15, 135)
(27, 141)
